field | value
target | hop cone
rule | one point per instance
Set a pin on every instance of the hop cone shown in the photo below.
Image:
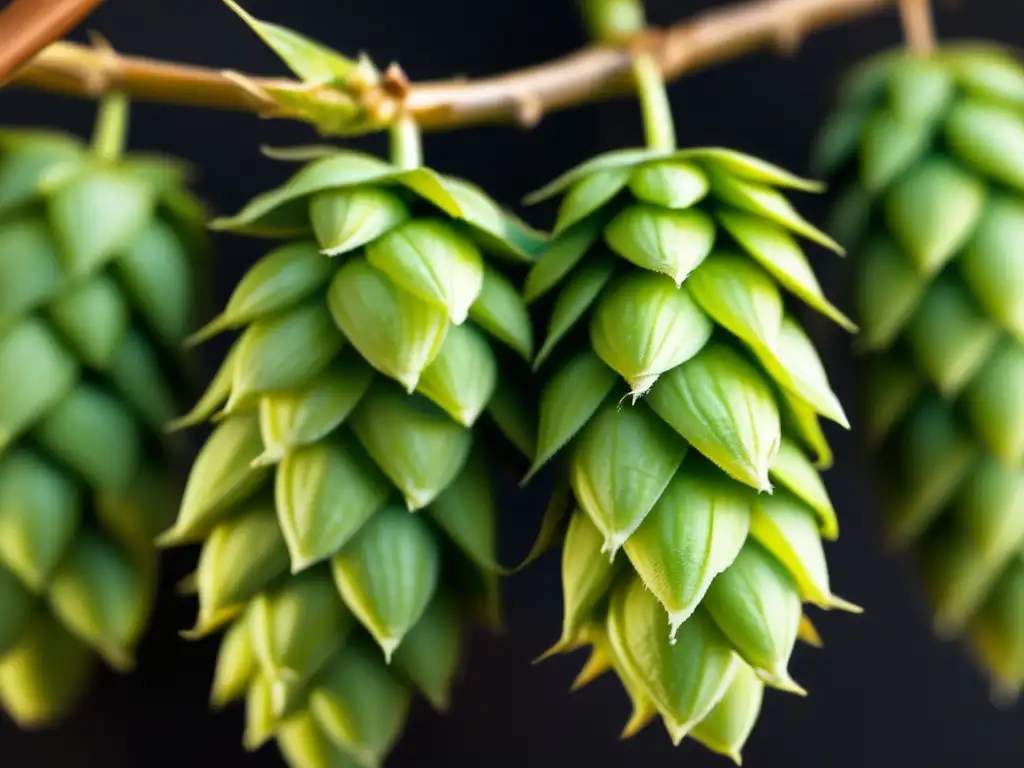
(667, 272)
(96, 291)
(931, 153)
(344, 498)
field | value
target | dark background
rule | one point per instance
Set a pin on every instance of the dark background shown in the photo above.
(883, 692)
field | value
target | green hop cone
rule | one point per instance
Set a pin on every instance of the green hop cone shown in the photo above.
(682, 397)
(928, 154)
(344, 499)
(100, 253)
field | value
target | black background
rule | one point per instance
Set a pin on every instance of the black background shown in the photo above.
(883, 692)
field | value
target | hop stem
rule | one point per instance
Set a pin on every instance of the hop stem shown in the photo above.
(612, 21)
(111, 129)
(654, 104)
(406, 144)
(918, 26)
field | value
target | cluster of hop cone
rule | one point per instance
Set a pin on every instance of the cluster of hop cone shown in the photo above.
(343, 499)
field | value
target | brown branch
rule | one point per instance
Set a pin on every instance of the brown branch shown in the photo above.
(522, 96)
(918, 26)
(28, 26)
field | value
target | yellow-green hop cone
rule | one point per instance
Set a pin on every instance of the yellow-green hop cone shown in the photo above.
(344, 498)
(685, 399)
(96, 296)
(928, 155)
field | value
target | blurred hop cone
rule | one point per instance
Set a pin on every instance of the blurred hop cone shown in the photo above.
(97, 262)
(929, 156)
(344, 499)
(682, 398)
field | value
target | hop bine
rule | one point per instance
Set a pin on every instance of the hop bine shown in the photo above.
(666, 273)
(99, 253)
(930, 156)
(344, 498)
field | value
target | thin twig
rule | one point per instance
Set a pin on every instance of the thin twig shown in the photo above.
(522, 96)
(918, 26)
(28, 26)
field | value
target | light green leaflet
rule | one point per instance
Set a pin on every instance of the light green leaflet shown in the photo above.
(756, 604)
(310, 61)
(338, 170)
(36, 371)
(360, 705)
(388, 574)
(574, 300)
(888, 147)
(289, 420)
(241, 556)
(396, 332)
(324, 494)
(467, 512)
(994, 404)
(100, 300)
(989, 139)
(949, 337)
(886, 290)
(463, 376)
(560, 256)
(693, 533)
(568, 401)
(500, 310)
(741, 165)
(295, 628)
(98, 594)
(221, 476)
(236, 665)
(794, 364)
(932, 211)
(40, 511)
(621, 465)
(431, 261)
(587, 573)
(739, 296)
(45, 673)
(778, 252)
(789, 530)
(673, 243)
(669, 184)
(416, 445)
(725, 409)
(283, 352)
(672, 328)
(685, 679)
(589, 194)
(994, 276)
(346, 219)
(430, 653)
(920, 88)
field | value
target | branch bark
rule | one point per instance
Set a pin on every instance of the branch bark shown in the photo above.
(28, 26)
(522, 96)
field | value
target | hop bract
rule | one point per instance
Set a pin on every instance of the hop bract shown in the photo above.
(97, 259)
(930, 153)
(344, 498)
(683, 397)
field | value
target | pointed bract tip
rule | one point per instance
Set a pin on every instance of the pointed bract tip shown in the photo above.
(272, 454)
(458, 315)
(389, 645)
(408, 380)
(636, 724)
(735, 756)
(640, 385)
(837, 603)
(120, 659)
(612, 544)
(678, 732)
(782, 681)
(416, 500)
(564, 645)
(172, 537)
(533, 470)
(207, 332)
(676, 619)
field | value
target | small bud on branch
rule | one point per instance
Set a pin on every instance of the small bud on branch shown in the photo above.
(520, 97)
